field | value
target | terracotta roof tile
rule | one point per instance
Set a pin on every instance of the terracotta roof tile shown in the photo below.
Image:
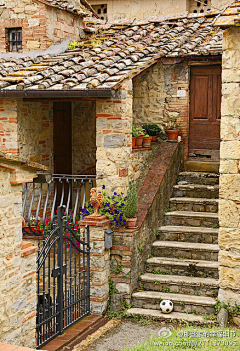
(69, 6)
(114, 52)
(231, 16)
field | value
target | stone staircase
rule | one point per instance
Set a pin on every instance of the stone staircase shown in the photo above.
(183, 266)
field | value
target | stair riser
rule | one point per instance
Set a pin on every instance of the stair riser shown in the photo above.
(199, 180)
(154, 304)
(183, 253)
(194, 207)
(201, 193)
(205, 290)
(183, 271)
(192, 222)
(189, 237)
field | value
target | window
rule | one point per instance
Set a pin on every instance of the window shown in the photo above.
(199, 6)
(101, 10)
(14, 39)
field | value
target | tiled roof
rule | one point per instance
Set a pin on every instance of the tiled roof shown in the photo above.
(231, 16)
(114, 52)
(66, 5)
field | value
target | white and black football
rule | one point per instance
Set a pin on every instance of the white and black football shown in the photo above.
(166, 306)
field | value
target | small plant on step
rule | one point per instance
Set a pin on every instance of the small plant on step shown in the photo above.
(157, 234)
(164, 272)
(195, 312)
(168, 210)
(154, 271)
(182, 304)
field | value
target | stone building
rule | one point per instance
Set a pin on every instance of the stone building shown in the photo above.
(32, 25)
(120, 9)
(229, 233)
(73, 113)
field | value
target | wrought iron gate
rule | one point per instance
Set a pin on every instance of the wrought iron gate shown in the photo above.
(63, 286)
(63, 261)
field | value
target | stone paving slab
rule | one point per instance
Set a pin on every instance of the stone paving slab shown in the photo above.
(7, 347)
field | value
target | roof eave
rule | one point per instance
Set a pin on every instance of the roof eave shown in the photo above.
(92, 93)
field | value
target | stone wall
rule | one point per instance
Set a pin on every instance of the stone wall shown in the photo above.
(229, 203)
(140, 8)
(8, 126)
(155, 92)
(141, 162)
(41, 25)
(145, 8)
(114, 139)
(17, 261)
(132, 247)
(84, 137)
(35, 132)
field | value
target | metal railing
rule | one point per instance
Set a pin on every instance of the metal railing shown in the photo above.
(46, 193)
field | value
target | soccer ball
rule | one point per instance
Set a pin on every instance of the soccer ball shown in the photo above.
(166, 306)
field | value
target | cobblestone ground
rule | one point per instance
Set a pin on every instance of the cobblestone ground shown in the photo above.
(126, 334)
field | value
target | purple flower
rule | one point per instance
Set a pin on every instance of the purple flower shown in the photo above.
(124, 221)
(103, 187)
(115, 193)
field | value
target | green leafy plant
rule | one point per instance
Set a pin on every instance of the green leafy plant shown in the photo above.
(131, 201)
(137, 131)
(172, 120)
(152, 129)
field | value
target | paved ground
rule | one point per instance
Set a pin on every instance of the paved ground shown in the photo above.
(126, 334)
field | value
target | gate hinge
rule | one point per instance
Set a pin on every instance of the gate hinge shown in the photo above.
(57, 271)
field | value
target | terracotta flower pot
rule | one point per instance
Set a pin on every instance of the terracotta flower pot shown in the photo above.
(133, 142)
(154, 138)
(147, 141)
(139, 141)
(131, 222)
(172, 134)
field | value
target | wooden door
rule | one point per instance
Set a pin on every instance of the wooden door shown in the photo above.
(205, 110)
(62, 141)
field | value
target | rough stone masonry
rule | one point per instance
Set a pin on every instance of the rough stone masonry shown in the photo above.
(229, 202)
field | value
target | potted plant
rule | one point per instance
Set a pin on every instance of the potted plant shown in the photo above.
(147, 141)
(139, 137)
(172, 126)
(153, 130)
(134, 135)
(131, 206)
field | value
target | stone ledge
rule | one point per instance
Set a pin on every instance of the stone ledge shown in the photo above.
(23, 162)
(141, 149)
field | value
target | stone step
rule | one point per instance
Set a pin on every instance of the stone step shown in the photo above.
(199, 166)
(193, 268)
(181, 303)
(183, 189)
(188, 234)
(199, 178)
(173, 316)
(191, 218)
(184, 250)
(196, 204)
(179, 284)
